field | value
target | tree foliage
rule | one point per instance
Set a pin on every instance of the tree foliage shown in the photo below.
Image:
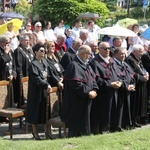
(23, 7)
(54, 10)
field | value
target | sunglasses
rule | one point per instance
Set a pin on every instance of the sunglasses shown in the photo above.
(42, 50)
(106, 48)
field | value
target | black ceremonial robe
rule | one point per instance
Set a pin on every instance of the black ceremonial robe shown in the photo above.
(123, 104)
(57, 70)
(102, 114)
(67, 58)
(79, 79)
(139, 98)
(36, 103)
(23, 58)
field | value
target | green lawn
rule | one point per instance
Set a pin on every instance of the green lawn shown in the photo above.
(126, 140)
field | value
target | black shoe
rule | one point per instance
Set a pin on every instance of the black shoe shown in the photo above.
(119, 129)
(36, 137)
(137, 125)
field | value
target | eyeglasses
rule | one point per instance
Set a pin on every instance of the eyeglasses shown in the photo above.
(106, 48)
(42, 50)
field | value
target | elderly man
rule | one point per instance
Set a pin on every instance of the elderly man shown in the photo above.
(7, 62)
(139, 98)
(60, 46)
(71, 53)
(80, 89)
(23, 58)
(146, 63)
(103, 115)
(127, 76)
(84, 34)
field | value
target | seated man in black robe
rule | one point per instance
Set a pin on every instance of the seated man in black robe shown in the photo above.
(79, 89)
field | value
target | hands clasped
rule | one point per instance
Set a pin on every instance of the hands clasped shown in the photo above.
(92, 94)
(116, 84)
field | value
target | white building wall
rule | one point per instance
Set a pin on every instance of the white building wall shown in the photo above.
(121, 3)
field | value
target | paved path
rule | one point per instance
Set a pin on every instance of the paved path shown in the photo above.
(19, 134)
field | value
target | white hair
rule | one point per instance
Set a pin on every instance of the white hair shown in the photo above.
(137, 47)
(83, 31)
(61, 36)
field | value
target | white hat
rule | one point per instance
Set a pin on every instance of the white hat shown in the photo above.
(38, 24)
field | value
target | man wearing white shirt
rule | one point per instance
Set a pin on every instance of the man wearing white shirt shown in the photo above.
(76, 30)
(60, 29)
(93, 34)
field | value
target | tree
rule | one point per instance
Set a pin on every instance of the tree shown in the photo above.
(23, 7)
(68, 10)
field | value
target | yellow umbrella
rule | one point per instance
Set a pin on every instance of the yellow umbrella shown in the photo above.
(127, 22)
(17, 23)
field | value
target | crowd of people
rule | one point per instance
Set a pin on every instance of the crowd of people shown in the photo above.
(105, 83)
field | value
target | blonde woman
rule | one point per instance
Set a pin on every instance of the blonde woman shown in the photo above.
(57, 69)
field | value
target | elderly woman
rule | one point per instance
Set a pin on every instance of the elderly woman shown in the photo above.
(56, 67)
(38, 35)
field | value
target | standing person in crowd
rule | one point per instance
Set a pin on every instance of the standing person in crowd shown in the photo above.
(146, 63)
(68, 38)
(28, 32)
(23, 58)
(7, 63)
(79, 89)
(84, 35)
(27, 29)
(134, 40)
(71, 52)
(13, 36)
(94, 48)
(48, 32)
(93, 34)
(60, 46)
(39, 72)
(38, 19)
(38, 35)
(76, 29)
(139, 98)
(60, 29)
(128, 85)
(103, 115)
(116, 42)
(56, 67)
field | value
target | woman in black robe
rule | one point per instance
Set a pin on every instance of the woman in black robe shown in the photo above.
(39, 71)
(57, 69)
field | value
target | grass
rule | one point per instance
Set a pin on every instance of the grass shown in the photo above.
(126, 140)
